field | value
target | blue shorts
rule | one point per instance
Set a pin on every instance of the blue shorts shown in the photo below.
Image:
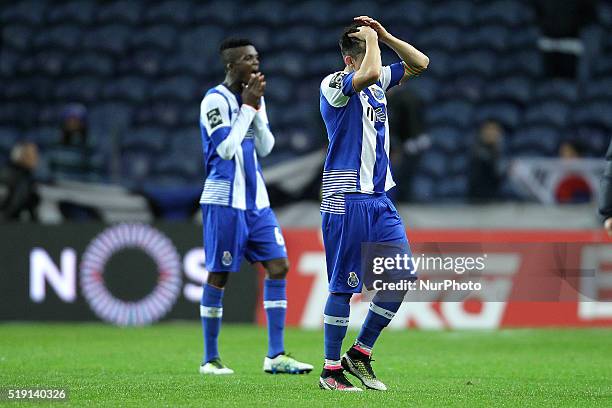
(230, 234)
(368, 218)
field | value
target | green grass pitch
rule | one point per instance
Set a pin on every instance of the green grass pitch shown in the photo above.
(157, 366)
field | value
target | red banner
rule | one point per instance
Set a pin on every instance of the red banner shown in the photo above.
(516, 259)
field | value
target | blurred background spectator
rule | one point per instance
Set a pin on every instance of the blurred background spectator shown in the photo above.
(574, 187)
(408, 137)
(486, 167)
(73, 157)
(571, 149)
(20, 199)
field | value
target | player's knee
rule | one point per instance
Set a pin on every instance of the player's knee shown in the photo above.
(277, 269)
(340, 298)
(217, 279)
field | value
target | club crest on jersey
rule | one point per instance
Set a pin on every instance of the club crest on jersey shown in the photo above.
(352, 280)
(226, 260)
(378, 93)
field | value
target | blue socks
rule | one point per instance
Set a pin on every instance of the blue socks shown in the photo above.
(211, 310)
(335, 319)
(275, 305)
(378, 318)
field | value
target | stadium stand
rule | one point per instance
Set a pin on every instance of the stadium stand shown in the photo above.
(141, 71)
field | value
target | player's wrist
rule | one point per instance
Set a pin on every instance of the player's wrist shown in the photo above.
(385, 38)
(371, 37)
(250, 105)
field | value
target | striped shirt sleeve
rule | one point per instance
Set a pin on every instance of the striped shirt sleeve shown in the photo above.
(338, 88)
(214, 116)
(226, 137)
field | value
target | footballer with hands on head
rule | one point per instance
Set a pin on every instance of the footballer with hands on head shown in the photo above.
(355, 208)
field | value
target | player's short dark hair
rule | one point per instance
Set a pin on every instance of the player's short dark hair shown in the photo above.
(351, 45)
(227, 46)
(234, 42)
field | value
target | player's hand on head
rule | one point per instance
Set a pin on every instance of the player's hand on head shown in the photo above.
(363, 33)
(254, 90)
(373, 24)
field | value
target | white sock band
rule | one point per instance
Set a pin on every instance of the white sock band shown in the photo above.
(270, 304)
(380, 311)
(335, 320)
(208, 311)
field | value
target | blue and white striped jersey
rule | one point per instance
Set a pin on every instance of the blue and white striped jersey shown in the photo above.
(358, 131)
(233, 135)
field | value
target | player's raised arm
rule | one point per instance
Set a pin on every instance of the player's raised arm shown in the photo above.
(370, 68)
(414, 60)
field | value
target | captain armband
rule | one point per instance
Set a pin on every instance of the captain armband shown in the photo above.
(410, 71)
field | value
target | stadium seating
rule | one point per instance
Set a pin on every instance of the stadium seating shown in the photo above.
(142, 70)
(8, 137)
(445, 38)
(550, 113)
(476, 62)
(556, 90)
(505, 113)
(44, 136)
(458, 13)
(78, 12)
(124, 11)
(175, 12)
(535, 140)
(161, 37)
(272, 13)
(453, 112)
(84, 89)
(65, 36)
(405, 13)
(112, 38)
(492, 37)
(506, 12)
(448, 139)
(146, 62)
(423, 187)
(224, 13)
(149, 139)
(452, 188)
(599, 89)
(91, 64)
(595, 112)
(29, 12)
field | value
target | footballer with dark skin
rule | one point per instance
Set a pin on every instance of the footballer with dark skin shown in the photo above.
(237, 219)
(243, 76)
